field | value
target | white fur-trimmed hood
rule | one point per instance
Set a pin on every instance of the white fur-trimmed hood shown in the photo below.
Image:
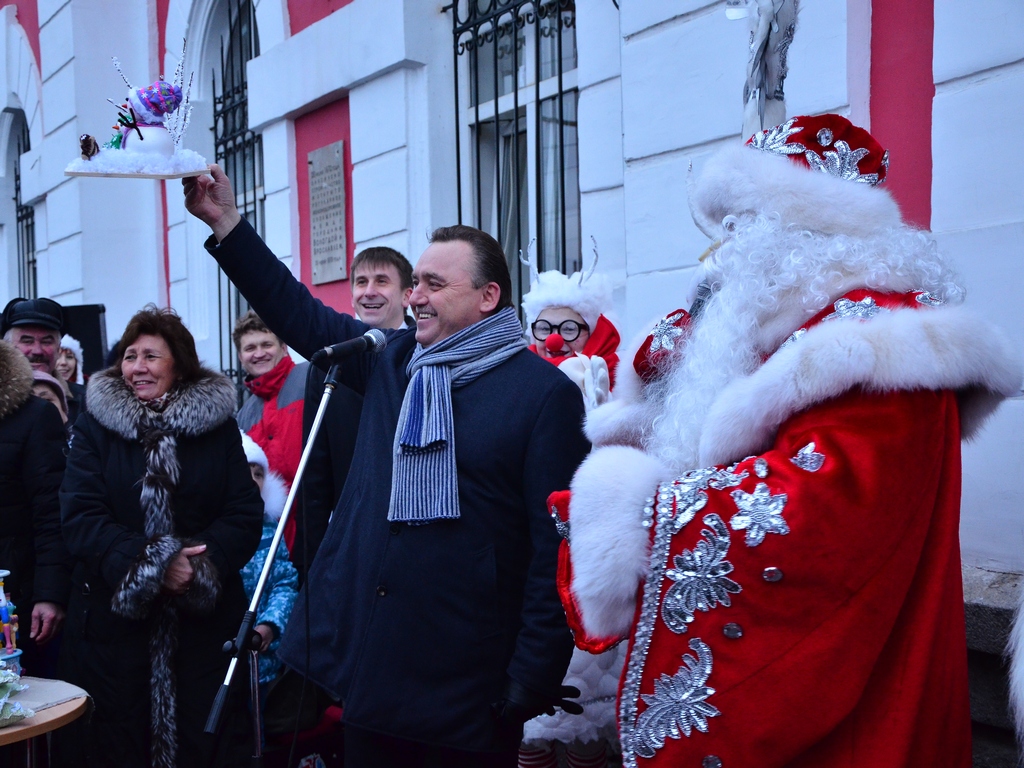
(275, 494)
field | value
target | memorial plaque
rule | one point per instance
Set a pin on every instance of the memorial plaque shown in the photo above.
(329, 248)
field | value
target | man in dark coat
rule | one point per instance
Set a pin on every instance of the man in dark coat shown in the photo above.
(32, 443)
(381, 286)
(433, 614)
(34, 327)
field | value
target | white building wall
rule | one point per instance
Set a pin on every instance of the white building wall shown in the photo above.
(97, 240)
(668, 76)
(978, 220)
(392, 58)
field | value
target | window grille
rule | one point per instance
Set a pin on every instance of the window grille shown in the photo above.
(28, 285)
(516, 140)
(239, 152)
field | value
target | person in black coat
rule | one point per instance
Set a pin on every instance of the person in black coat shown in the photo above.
(381, 282)
(440, 633)
(160, 511)
(32, 446)
(34, 327)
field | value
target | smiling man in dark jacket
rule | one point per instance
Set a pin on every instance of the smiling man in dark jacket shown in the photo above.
(433, 609)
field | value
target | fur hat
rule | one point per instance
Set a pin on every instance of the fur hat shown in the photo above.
(817, 173)
(70, 342)
(590, 296)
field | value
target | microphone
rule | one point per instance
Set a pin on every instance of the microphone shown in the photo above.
(373, 340)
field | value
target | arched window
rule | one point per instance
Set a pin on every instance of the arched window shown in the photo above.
(239, 151)
(25, 215)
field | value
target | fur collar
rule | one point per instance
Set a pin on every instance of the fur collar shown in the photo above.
(929, 348)
(199, 407)
(933, 348)
(15, 379)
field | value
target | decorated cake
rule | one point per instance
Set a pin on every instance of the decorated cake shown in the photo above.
(151, 123)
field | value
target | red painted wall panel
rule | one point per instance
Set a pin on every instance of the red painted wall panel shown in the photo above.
(28, 18)
(302, 13)
(902, 90)
(326, 125)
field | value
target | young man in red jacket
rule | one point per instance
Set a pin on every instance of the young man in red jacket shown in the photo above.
(272, 416)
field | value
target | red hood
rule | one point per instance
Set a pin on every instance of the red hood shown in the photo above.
(603, 342)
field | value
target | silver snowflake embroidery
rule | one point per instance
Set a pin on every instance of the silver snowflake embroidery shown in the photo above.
(665, 333)
(700, 576)
(678, 705)
(560, 525)
(774, 140)
(760, 513)
(929, 299)
(808, 459)
(841, 162)
(862, 310)
(689, 492)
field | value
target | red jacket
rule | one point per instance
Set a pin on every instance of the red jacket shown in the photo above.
(801, 607)
(272, 417)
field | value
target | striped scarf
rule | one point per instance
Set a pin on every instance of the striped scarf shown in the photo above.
(425, 483)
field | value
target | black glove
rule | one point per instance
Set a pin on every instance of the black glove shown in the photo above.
(521, 704)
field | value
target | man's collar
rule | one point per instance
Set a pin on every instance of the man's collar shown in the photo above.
(269, 384)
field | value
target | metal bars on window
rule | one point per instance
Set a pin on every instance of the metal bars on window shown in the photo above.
(515, 141)
(28, 285)
(239, 151)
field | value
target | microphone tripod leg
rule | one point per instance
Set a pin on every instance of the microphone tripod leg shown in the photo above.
(257, 714)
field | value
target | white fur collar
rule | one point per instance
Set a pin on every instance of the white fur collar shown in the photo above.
(932, 348)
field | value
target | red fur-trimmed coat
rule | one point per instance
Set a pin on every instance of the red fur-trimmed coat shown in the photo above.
(801, 607)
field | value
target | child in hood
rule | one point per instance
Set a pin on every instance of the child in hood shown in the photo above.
(282, 585)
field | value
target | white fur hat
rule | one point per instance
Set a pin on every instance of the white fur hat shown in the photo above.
(70, 342)
(253, 453)
(771, 177)
(590, 296)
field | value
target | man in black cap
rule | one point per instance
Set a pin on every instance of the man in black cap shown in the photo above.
(34, 327)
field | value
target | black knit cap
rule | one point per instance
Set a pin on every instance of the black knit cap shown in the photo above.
(45, 313)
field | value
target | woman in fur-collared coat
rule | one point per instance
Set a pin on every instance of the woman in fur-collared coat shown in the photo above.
(160, 511)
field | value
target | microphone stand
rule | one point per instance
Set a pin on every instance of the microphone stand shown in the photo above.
(247, 641)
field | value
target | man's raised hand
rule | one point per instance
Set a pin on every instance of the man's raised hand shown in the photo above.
(212, 200)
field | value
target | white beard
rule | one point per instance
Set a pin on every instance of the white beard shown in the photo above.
(769, 280)
(721, 348)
